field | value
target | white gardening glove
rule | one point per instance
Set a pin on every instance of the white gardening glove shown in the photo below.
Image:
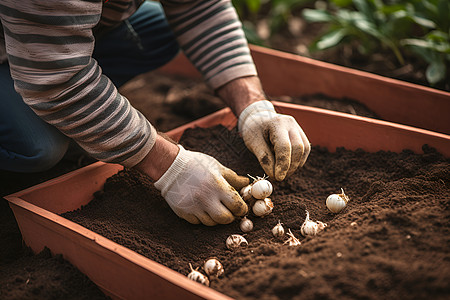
(277, 140)
(201, 190)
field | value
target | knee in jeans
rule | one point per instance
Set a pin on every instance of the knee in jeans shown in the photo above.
(47, 155)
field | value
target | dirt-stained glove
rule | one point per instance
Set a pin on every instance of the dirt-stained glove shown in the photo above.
(277, 140)
(201, 190)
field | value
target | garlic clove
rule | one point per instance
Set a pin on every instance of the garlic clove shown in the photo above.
(337, 202)
(213, 268)
(246, 192)
(197, 276)
(310, 227)
(235, 241)
(246, 224)
(292, 240)
(278, 230)
(261, 189)
(262, 208)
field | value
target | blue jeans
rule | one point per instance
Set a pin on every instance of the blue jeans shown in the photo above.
(142, 43)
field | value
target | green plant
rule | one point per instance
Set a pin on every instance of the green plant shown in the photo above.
(421, 26)
(248, 12)
(247, 9)
(277, 12)
(368, 22)
(281, 11)
(434, 46)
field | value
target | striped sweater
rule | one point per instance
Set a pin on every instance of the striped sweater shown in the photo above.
(49, 45)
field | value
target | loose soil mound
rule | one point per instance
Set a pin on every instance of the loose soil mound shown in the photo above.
(390, 242)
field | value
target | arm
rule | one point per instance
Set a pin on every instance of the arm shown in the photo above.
(211, 36)
(49, 46)
(241, 92)
(196, 186)
(159, 158)
(277, 140)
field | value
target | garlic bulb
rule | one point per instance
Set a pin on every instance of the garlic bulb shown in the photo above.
(197, 276)
(261, 188)
(246, 192)
(213, 268)
(235, 241)
(246, 224)
(278, 230)
(262, 208)
(337, 202)
(310, 227)
(292, 240)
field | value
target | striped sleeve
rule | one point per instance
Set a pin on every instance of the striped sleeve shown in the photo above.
(49, 47)
(211, 36)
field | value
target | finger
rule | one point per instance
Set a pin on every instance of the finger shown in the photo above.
(306, 149)
(298, 149)
(205, 219)
(232, 200)
(263, 153)
(282, 148)
(220, 214)
(236, 181)
(190, 218)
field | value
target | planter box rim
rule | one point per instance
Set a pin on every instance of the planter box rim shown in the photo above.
(287, 74)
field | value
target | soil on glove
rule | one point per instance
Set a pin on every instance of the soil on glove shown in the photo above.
(392, 240)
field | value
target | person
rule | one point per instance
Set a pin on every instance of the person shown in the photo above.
(62, 62)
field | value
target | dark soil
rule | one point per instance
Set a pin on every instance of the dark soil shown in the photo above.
(392, 241)
(44, 276)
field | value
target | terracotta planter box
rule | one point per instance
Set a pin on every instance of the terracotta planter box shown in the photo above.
(124, 274)
(392, 100)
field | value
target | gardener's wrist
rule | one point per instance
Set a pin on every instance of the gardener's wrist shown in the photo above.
(241, 92)
(159, 158)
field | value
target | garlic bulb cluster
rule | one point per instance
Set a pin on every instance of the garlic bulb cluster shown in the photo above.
(262, 208)
(213, 268)
(235, 241)
(310, 227)
(278, 230)
(261, 188)
(246, 224)
(337, 202)
(292, 240)
(197, 276)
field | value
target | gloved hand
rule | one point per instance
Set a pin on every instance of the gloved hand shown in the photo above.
(201, 190)
(277, 140)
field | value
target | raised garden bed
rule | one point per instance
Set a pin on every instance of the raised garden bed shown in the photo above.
(396, 213)
(122, 273)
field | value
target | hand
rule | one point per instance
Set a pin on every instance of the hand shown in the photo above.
(201, 190)
(277, 140)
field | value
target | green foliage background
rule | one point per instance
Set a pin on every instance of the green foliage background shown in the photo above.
(414, 31)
